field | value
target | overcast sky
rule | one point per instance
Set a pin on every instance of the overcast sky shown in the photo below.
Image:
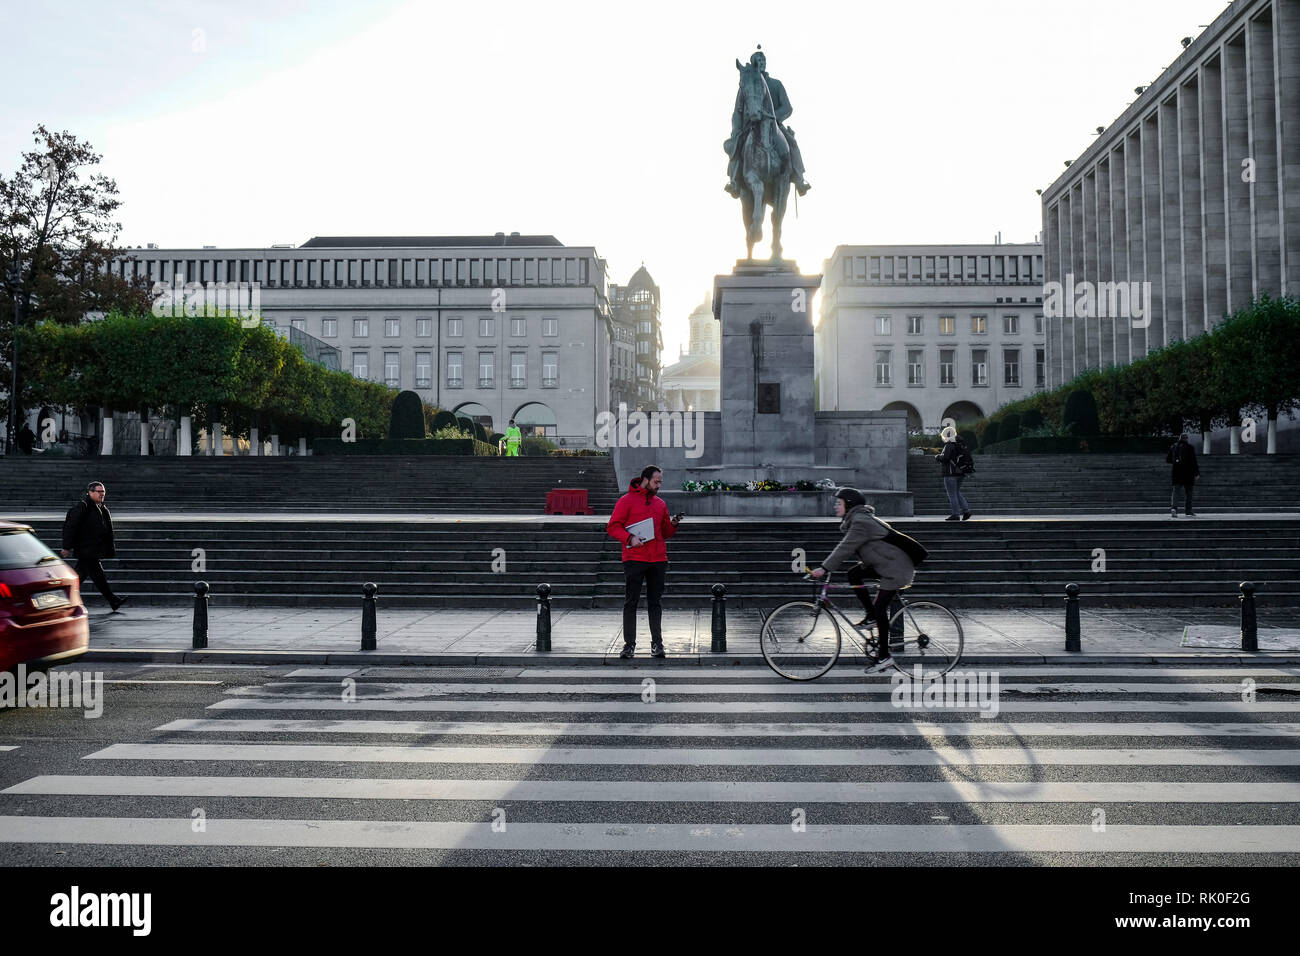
(251, 123)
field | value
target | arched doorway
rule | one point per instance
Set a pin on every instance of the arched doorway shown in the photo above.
(963, 412)
(913, 416)
(535, 418)
(475, 413)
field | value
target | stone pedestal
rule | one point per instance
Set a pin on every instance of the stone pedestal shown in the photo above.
(767, 364)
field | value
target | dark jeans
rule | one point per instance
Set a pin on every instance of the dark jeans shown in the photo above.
(653, 573)
(91, 568)
(956, 500)
(879, 609)
(1173, 498)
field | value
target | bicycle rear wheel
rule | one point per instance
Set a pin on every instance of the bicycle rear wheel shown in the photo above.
(800, 640)
(932, 640)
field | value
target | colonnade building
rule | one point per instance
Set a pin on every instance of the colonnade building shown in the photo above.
(1194, 189)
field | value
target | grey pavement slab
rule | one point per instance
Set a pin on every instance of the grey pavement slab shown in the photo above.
(333, 635)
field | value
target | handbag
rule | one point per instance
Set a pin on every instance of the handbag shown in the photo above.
(914, 550)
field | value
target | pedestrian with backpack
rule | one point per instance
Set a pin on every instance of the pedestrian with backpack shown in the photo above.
(957, 463)
(1183, 457)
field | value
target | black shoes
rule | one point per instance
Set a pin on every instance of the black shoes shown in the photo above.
(952, 518)
(965, 516)
(119, 602)
(626, 653)
(877, 664)
(657, 649)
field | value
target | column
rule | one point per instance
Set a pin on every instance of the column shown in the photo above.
(1214, 169)
(1237, 200)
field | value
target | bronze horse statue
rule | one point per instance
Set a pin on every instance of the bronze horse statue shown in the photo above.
(764, 160)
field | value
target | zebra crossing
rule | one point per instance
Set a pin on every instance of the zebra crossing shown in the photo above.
(1080, 764)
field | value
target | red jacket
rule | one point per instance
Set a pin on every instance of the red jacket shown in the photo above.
(637, 505)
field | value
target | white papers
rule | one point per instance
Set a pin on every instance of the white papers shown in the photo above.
(643, 529)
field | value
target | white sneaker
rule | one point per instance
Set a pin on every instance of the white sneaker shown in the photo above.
(880, 664)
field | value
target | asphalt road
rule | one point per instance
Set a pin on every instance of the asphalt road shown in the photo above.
(223, 765)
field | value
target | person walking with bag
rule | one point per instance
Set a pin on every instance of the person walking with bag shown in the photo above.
(1185, 472)
(88, 533)
(645, 555)
(956, 463)
(883, 553)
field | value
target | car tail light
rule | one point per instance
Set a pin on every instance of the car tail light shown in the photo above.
(4, 590)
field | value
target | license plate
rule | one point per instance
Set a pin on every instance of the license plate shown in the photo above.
(50, 599)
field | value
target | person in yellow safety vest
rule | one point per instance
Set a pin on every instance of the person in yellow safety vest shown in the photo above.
(513, 437)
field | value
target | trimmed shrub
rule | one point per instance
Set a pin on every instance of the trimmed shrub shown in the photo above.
(1009, 427)
(1032, 418)
(1080, 415)
(406, 420)
(534, 445)
(444, 419)
(968, 436)
(990, 435)
(480, 433)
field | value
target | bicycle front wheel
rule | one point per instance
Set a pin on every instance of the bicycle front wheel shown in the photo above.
(800, 640)
(932, 640)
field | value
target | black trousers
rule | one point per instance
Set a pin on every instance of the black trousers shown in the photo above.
(91, 568)
(879, 609)
(654, 574)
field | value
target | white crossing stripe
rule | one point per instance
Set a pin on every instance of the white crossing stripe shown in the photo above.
(662, 686)
(660, 837)
(8, 748)
(984, 728)
(656, 791)
(745, 706)
(323, 672)
(714, 671)
(706, 757)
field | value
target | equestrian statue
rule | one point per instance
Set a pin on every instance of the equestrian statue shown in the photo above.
(765, 158)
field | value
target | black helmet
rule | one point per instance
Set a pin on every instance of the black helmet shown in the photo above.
(852, 497)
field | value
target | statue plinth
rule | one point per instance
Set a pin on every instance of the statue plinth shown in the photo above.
(767, 364)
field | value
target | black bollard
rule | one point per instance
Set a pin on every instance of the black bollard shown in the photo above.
(1072, 618)
(368, 625)
(200, 616)
(1249, 629)
(719, 645)
(543, 617)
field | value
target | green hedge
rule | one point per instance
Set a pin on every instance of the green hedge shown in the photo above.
(408, 446)
(1095, 444)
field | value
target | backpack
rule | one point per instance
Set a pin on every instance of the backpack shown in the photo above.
(964, 464)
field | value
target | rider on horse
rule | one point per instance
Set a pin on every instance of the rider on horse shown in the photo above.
(781, 104)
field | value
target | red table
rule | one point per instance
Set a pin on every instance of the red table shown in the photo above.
(567, 501)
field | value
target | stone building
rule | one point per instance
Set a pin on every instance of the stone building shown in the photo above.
(635, 310)
(935, 331)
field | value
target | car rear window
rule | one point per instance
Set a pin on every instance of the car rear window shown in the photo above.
(22, 549)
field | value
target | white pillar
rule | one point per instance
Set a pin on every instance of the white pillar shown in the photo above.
(1205, 443)
(106, 447)
(275, 446)
(254, 446)
(218, 439)
(144, 433)
(183, 437)
(1272, 436)
(1234, 440)
(302, 446)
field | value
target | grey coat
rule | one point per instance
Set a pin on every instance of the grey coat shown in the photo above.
(864, 538)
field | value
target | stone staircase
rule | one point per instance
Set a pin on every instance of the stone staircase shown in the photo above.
(1108, 484)
(322, 485)
(314, 561)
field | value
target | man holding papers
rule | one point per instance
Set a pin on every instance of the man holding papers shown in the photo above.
(641, 522)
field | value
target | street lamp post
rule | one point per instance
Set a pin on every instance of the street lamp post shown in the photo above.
(15, 281)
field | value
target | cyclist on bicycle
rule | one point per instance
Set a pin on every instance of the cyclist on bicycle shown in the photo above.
(864, 537)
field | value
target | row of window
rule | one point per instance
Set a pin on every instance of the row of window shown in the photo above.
(424, 327)
(979, 367)
(997, 268)
(340, 273)
(979, 325)
(456, 369)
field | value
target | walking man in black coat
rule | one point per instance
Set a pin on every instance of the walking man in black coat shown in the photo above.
(1183, 457)
(88, 533)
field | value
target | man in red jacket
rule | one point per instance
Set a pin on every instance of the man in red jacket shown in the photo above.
(644, 558)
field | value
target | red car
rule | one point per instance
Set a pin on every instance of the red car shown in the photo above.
(42, 618)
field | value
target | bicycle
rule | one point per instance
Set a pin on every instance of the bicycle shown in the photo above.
(801, 640)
